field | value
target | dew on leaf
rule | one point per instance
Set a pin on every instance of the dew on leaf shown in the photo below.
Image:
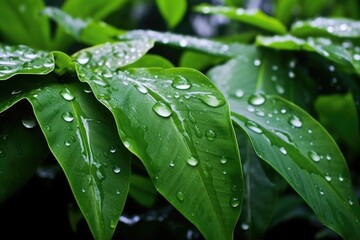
(257, 99)
(283, 150)
(257, 62)
(180, 196)
(66, 94)
(112, 149)
(29, 122)
(253, 126)
(67, 143)
(223, 160)
(181, 83)
(162, 109)
(239, 93)
(67, 116)
(314, 156)
(212, 100)
(295, 121)
(192, 161)
(210, 134)
(245, 226)
(117, 169)
(234, 202)
(84, 57)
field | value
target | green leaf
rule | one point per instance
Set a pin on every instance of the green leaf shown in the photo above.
(327, 27)
(142, 190)
(19, 159)
(21, 22)
(88, 31)
(200, 172)
(300, 149)
(172, 11)
(284, 10)
(324, 47)
(260, 193)
(80, 134)
(188, 42)
(111, 56)
(267, 71)
(197, 60)
(24, 60)
(151, 60)
(253, 17)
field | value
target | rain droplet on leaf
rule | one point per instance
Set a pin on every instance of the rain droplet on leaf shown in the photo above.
(162, 109)
(181, 83)
(192, 161)
(257, 99)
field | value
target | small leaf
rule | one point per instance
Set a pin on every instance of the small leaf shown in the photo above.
(327, 27)
(111, 56)
(201, 176)
(24, 60)
(300, 149)
(253, 17)
(172, 11)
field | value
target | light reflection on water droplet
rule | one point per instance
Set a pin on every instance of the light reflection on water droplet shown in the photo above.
(314, 156)
(192, 161)
(245, 226)
(239, 93)
(162, 109)
(210, 134)
(66, 94)
(283, 150)
(257, 99)
(29, 122)
(295, 121)
(117, 170)
(212, 100)
(181, 83)
(223, 160)
(67, 116)
(234, 202)
(180, 196)
(253, 126)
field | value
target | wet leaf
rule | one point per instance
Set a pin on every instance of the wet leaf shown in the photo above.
(172, 11)
(200, 172)
(253, 17)
(24, 60)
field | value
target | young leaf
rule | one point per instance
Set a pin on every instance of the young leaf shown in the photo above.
(300, 149)
(252, 17)
(21, 22)
(80, 134)
(19, 159)
(327, 27)
(200, 172)
(24, 60)
(322, 46)
(172, 11)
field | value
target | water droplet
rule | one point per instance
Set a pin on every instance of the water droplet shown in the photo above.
(181, 83)
(280, 89)
(257, 62)
(356, 57)
(66, 94)
(295, 121)
(67, 143)
(283, 150)
(257, 99)
(192, 161)
(171, 164)
(117, 170)
(253, 126)
(212, 100)
(82, 189)
(331, 68)
(162, 109)
(328, 157)
(239, 93)
(245, 226)
(210, 134)
(327, 177)
(84, 57)
(283, 110)
(29, 122)
(234, 202)
(250, 108)
(291, 74)
(141, 88)
(48, 128)
(112, 149)
(67, 116)
(310, 131)
(314, 156)
(223, 160)
(351, 202)
(341, 178)
(113, 223)
(180, 196)
(321, 192)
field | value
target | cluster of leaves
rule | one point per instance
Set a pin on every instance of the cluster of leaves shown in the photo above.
(104, 106)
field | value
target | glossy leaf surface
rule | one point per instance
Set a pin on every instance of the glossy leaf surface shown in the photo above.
(172, 11)
(300, 149)
(199, 172)
(251, 16)
(322, 46)
(334, 27)
(24, 60)
(80, 134)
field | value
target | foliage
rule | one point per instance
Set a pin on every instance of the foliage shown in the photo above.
(240, 133)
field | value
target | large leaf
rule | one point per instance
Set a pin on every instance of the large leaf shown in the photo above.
(199, 172)
(268, 71)
(18, 157)
(172, 11)
(24, 60)
(253, 17)
(300, 149)
(80, 134)
(348, 58)
(21, 22)
(333, 27)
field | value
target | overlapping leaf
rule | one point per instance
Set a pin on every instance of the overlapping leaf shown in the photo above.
(199, 172)
(24, 60)
(172, 11)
